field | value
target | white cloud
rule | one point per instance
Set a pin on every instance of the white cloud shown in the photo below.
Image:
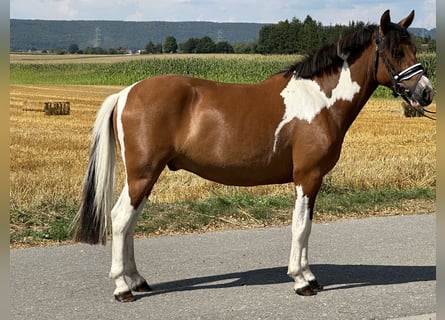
(66, 9)
(43, 9)
(428, 16)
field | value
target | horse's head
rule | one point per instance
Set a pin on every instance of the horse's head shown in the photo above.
(396, 65)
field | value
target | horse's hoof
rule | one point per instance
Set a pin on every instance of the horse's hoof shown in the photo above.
(143, 287)
(124, 297)
(315, 285)
(306, 291)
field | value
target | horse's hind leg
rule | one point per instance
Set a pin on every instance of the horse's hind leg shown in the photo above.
(138, 283)
(124, 217)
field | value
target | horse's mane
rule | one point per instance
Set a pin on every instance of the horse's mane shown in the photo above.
(327, 58)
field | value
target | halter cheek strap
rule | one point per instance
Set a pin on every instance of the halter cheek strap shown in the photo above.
(378, 40)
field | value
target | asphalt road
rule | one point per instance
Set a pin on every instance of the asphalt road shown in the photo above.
(376, 268)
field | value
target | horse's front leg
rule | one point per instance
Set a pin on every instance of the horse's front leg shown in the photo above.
(305, 281)
(123, 264)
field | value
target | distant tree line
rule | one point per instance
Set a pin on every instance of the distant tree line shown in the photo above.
(192, 45)
(285, 37)
(300, 37)
(295, 36)
(170, 45)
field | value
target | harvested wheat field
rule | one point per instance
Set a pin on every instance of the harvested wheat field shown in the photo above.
(49, 154)
(382, 149)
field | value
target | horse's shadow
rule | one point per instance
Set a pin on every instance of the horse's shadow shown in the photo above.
(331, 276)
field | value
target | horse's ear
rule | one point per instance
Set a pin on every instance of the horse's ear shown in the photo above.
(385, 22)
(407, 21)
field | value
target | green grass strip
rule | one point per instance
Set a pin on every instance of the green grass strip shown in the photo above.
(51, 220)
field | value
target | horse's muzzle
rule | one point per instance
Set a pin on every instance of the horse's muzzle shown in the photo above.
(422, 94)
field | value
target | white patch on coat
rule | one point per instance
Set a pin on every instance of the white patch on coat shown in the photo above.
(123, 95)
(304, 99)
(301, 228)
(124, 217)
(301, 210)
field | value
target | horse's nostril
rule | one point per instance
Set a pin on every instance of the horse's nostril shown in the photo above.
(426, 94)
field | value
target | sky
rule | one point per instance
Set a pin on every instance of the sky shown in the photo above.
(328, 12)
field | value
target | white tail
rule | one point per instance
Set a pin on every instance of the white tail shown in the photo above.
(98, 185)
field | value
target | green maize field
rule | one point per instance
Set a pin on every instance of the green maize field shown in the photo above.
(224, 68)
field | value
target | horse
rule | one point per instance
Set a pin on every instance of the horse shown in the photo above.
(287, 128)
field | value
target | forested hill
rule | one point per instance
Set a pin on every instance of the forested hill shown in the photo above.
(49, 34)
(46, 34)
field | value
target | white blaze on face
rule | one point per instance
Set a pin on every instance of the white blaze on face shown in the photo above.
(304, 99)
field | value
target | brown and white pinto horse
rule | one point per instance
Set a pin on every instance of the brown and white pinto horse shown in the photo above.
(288, 128)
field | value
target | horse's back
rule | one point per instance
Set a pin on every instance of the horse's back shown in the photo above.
(198, 108)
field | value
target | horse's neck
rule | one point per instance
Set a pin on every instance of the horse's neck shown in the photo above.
(355, 86)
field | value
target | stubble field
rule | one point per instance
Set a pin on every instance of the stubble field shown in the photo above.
(383, 150)
(387, 166)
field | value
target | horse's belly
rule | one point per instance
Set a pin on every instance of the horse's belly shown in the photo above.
(235, 174)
